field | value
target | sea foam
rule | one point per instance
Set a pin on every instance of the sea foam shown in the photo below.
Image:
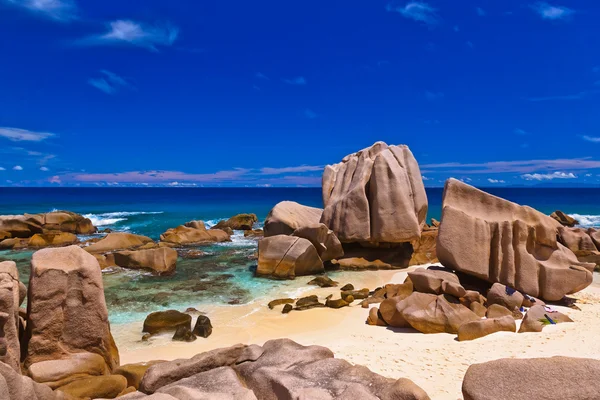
(112, 218)
(587, 221)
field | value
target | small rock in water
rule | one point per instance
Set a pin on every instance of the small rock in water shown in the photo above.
(323, 281)
(203, 327)
(287, 308)
(279, 302)
(184, 334)
(347, 287)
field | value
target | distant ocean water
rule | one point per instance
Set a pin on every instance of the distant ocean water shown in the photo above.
(225, 274)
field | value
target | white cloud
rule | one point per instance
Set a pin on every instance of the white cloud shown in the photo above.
(418, 11)
(547, 177)
(286, 170)
(23, 135)
(588, 175)
(109, 83)
(17, 168)
(2, 169)
(480, 11)
(59, 10)
(552, 12)
(310, 114)
(45, 169)
(593, 139)
(425, 178)
(135, 34)
(490, 180)
(299, 80)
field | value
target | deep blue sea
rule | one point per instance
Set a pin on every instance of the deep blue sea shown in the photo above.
(225, 274)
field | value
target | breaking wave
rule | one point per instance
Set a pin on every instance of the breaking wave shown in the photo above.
(112, 218)
(587, 221)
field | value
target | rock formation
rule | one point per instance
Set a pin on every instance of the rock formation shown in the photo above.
(375, 196)
(499, 241)
(194, 232)
(288, 216)
(162, 260)
(324, 240)
(14, 386)
(118, 241)
(564, 219)
(240, 222)
(10, 300)
(556, 378)
(68, 334)
(585, 243)
(285, 257)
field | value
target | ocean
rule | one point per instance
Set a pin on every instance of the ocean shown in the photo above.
(225, 274)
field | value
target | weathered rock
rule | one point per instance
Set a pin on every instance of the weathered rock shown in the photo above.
(14, 386)
(376, 195)
(529, 302)
(479, 309)
(371, 300)
(118, 241)
(274, 303)
(576, 239)
(388, 312)
(288, 216)
(435, 223)
(371, 256)
(135, 372)
(203, 327)
(52, 239)
(444, 314)
(240, 222)
(254, 233)
(192, 233)
(287, 308)
(499, 241)
(537, 317)
(504, 296)
(323, 281)
(184, 334)
(67, 324)
(308, 302)
(472, 296)
(556, 378)
(25, 226)
(483, 327)
(218, 383)
(96, 387)
(161, 261)
(357, 294)
(498, 311)
(375, 318)
(564, 219)
(166, 373)
(285, 257)
(326, 243)
(436, 281)
(10, 348)
(424, 248)
(166, 321)
(14, 244)
(402, 290)
(339, 303)
(592, 257)
(595, 235)
(347, 287)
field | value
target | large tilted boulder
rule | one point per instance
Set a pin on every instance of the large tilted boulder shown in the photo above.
(68, 333)
(240, 222)
(161, 261)
(285, 257)
(192, 233)
(288, 216)
(375, 196)
(118, 241)
(556, 378)
(14, 386)
(281, 369)
(326, 243)
(500, 241)
(10, 348)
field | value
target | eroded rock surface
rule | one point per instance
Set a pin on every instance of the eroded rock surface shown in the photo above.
(288, 216)
(285, 257)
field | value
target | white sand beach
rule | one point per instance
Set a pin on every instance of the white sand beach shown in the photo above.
(436, 362)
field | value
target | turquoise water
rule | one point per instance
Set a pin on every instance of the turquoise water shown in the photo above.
(225, 273)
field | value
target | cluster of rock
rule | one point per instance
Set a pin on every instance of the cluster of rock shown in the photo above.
(433, 300)
(53, 229)
(374, 218)
(585, 243)
(177, 322)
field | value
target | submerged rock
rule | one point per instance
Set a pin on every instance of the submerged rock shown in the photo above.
(184, 334)
(194, 232)
(240, 222)
(499, 241)
(376, 195)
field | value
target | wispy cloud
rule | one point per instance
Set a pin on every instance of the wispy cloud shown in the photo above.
(23, 135)
(288, 170)
(520, 167)
(490, 180)
(17, 168)
(521, 132)
(262, 76)
(2, 169)
(109, 83)
(552, 12)
(45, 169)
(417, 11)
(127, 32)
(592, 139)
(310, 114)
(548, 177)
(480, 11)
(299, 80)
(576, 96)
(433, 95)
(59, 10)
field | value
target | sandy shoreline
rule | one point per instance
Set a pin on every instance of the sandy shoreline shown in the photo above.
(435, 362)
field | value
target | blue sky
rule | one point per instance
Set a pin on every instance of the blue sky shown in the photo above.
(237, 93)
